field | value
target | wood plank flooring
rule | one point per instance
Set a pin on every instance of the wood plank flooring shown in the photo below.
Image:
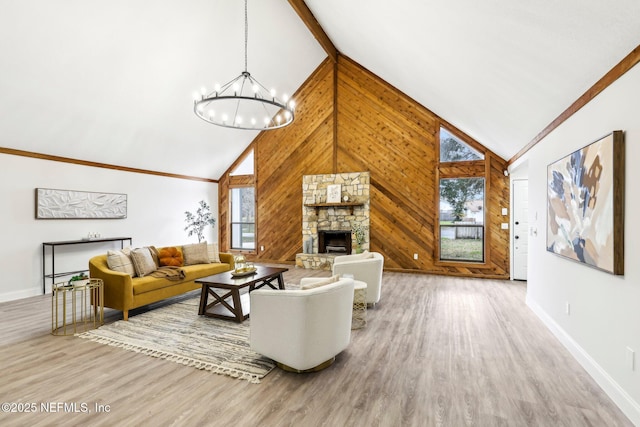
(436, 351)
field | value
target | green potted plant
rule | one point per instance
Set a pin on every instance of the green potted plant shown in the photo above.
(197, 222)
(358, 232)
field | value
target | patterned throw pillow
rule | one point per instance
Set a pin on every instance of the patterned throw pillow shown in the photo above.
(171, 256)
(214, 253)
(195, 254)
(121, 261)
(143, 261)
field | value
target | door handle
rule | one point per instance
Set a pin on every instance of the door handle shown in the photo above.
(517, 222)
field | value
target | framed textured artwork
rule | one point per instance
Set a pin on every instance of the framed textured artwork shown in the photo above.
(585, 202)
(70, 204)
(334, 193)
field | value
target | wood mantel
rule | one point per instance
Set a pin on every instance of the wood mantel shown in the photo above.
(349, 205)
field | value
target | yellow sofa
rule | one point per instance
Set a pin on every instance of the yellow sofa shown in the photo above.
(122, 292)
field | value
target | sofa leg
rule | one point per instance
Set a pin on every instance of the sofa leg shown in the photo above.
(125, 314)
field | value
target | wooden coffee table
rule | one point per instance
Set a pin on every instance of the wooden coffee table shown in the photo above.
(225, 289)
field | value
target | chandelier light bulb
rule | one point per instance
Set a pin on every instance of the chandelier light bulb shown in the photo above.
(278, 119)
(216, 87)
(203, 90)
(212, 114)
(239, 120)
(273, 93)
(200, 108)
(266, 121)
(253, 121)
(287, 114)
(292, 104)
(255, 88)
(285, 98)
(225, 118)
(196, 96)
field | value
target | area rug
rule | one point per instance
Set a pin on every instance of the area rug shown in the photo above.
(177, 333)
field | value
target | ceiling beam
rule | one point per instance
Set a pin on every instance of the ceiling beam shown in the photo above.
(313, 25)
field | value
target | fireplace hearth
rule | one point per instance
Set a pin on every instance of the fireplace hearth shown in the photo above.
(334, 242)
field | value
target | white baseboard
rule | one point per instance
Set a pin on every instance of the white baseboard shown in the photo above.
(23, 293)
(620, 397)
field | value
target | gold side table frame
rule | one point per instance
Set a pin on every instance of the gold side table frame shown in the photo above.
(359, 315)
(77, 306)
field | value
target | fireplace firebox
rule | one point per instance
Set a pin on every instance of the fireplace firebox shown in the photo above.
(334, 241)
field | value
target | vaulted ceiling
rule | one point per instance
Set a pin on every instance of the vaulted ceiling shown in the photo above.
(113, 82)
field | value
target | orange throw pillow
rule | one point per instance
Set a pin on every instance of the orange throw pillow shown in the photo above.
(171, 256)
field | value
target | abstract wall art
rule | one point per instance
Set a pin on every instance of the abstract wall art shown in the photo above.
(69, 204)
(585, 201)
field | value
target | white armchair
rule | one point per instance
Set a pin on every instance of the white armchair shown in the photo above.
(366, 267)
(302, 330)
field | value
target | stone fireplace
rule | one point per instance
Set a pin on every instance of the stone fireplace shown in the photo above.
(333, 206)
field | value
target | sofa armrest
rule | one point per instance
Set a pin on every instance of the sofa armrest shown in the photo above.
(228, 259)
(118, 287)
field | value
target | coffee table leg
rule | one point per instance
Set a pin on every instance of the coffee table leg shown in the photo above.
(237, 306)
(280, 281)
(204, 294)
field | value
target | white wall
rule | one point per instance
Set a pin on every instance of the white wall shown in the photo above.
(605, 310)
(155, 216)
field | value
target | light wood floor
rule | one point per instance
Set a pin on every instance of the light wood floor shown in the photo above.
(437, 351)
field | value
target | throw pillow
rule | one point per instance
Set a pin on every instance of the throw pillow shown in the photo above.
(143, 261)
(155, 255)
(363, 255)
(323, 282)
(214, 253)
(170, 256)
(121, 261)
(195, 254)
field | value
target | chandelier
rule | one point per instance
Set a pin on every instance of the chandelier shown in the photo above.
(244, 103)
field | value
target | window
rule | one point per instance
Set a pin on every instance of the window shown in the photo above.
(462, 219)
(243, 218)
(452, 149)
(462, 200)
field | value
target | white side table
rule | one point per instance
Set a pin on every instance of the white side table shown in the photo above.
(359, 316)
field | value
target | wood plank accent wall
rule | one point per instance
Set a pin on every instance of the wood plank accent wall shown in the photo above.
(349, 120)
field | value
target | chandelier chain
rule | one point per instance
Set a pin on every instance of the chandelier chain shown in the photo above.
(246, 34)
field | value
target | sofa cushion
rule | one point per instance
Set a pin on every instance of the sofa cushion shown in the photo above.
(171, 256)
(121, 261)
(214, 252)
(142, 261)
(321, 282)
(195, 254)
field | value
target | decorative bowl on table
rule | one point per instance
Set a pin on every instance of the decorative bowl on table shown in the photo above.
(244, 271)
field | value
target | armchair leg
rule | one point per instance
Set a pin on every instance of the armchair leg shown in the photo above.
(125, 314)
(320, 367)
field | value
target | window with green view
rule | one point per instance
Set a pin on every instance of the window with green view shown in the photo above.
(243, 218)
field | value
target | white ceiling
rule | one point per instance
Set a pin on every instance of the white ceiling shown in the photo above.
(113, 81)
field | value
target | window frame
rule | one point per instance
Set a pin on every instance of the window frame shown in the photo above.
(231, 222)
(462, 169)
(242, 181)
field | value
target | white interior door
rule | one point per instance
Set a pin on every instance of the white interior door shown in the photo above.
(520, 227)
